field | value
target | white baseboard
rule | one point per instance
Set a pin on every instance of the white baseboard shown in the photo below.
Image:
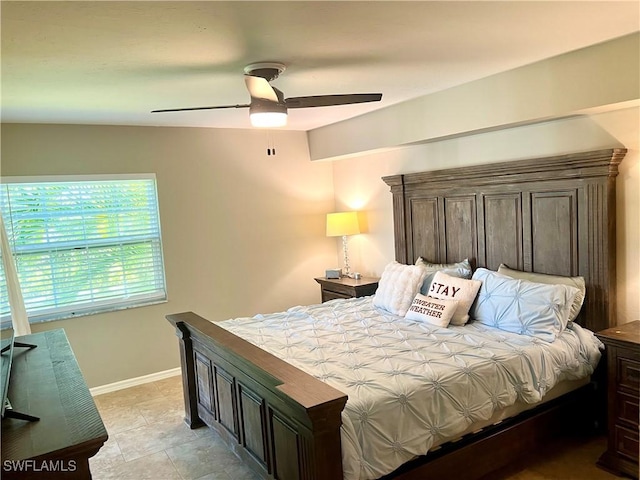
(132, 382)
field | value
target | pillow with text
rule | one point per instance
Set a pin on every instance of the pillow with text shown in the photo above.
(432, 310)
(463, 291)
(460, 269)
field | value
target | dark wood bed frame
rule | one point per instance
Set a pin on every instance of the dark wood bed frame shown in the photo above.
(550, 215)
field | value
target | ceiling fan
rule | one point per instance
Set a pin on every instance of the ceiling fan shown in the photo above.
(268, 107)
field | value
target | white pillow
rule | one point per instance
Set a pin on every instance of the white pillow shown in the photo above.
(519, 306)
(432, 310)
(460, 269)
(577, 282)
(464, 291)
(398, 287)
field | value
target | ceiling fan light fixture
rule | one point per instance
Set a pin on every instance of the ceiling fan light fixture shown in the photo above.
(268, 119)
(267, 114)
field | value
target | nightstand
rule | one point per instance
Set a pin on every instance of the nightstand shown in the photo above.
(623, 391)
(346, 287)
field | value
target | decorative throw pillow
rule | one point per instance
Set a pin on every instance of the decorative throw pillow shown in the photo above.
(460, 269)
(398, 286)
(520, 306)
(431, 310)
(577, 282)
(463, 291)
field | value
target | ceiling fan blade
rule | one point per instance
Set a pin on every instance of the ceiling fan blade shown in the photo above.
(329, 100)
(198, 108)
(260, 88)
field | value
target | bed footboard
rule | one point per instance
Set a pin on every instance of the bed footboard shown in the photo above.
(282, 421)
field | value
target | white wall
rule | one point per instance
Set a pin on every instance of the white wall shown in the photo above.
(603, 75)
(358, 183)
(243, 232)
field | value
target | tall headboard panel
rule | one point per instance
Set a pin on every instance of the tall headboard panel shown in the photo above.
(549, 215)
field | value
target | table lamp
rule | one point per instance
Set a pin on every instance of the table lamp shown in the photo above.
(340, 225)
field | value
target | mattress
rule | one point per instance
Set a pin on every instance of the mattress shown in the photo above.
(412, 386)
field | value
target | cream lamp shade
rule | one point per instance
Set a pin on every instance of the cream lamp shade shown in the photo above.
(340, 225)
(343, 223)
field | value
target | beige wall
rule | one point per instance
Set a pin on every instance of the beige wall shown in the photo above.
(358, 184)
(243, 232)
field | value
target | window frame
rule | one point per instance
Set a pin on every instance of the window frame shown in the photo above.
(112, 304)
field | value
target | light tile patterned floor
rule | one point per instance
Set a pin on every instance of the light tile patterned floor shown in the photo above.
(148, 439)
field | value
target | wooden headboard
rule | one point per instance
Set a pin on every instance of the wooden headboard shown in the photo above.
(551, 215)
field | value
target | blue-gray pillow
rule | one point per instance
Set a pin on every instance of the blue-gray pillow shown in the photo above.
(459, 269)
(520, 306)
(577, 282)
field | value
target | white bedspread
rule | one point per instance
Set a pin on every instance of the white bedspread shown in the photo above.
(411, 385)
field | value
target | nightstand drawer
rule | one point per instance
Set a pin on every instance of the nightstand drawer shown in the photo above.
(627, 408)
(629, 373)
(327, 295)
(627, 442)
(346, 287)
(340, 290)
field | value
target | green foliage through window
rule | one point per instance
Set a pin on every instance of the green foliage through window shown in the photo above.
(83, 246)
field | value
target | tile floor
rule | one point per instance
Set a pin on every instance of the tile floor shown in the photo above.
(149, 440)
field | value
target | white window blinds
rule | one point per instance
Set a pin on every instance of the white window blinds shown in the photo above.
(83, 246)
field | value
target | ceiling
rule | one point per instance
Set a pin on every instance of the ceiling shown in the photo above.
(104, 62)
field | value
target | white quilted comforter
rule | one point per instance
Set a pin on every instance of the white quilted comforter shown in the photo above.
(411, 385)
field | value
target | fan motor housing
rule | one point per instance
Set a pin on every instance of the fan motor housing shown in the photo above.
(260, 105)
(267, 70)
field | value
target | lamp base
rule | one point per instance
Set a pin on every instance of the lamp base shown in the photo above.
(346, 271)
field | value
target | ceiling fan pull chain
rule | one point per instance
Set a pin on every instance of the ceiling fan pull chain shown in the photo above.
(271, 149)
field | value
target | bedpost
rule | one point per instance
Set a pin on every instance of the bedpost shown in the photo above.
(600, 274)
(396, 182)
(191, 417)
(611, 311)
(282, 421)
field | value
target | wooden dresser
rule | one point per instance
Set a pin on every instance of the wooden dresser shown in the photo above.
(346, 287)
(46, 382)
(623, 392)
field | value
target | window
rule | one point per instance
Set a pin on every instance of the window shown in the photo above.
(83, 245)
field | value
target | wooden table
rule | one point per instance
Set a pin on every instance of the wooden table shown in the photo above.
(46, 382)
(623, 392)
(345, 287)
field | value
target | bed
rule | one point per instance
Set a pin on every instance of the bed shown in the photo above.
(551, 215)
